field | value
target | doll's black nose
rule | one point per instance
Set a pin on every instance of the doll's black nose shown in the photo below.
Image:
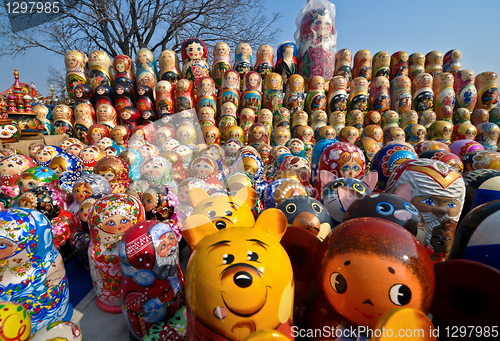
(243, 279)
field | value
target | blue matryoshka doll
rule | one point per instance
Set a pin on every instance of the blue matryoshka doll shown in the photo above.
(69, 168)
(44, 154)
(31, 269)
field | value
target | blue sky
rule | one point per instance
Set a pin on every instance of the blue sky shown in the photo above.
(381, 25)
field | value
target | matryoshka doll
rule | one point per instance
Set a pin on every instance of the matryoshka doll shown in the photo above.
(281, 118)
(416, 65)
(62, 116)
(337, 121)
(64, 144)
(104, 94)
(487, 135)
(109, 218)
(221, 63)
(151, 250)
(337, 95)
(355, 118)
(286, 62)
(87, 186)
(115, 171)
(124, 96)
(273, 93)
(323, 133)
(146, 68)
(169, 66)
(280, 136)
(251, 97)
(452, 61)
(211, 135)
(89, 157)
(84, 94)
(159, 202)
(349, 134)
(184, 94)
(106, 115)
(37, 176)
(440, 131)
(235, 132)
(399, 64)
(465, 89)
(206, 117)
(380, 97)
(100, 69)
(44, 154)
(243, 61)
(124, 70)
(306, 134)
(423, 95)
(316, 98)
(375, 132)
(358, 97)
(105, 142)
(164, 94)
(247, 119)
(194, 60)
(319, 119)
(120, 135)
(134, 161)
(264, 152)
(145, 100)
(76, 72)
(415, 133)
(394, 134)
(434, 63)
(10, 169)
(186, 135)
(44, 114)
(148, 149)
(258, 134)
(131, 117)
(408, 117)
(206, 169)
(390, 118)
(206, 98)
(362, 65)
(381, 64)
(265, 60)
(230, 89)
(487, 90)
(69, 168)
(157, 170)
(373, 117)
(343, 63)
(464, 131)
(401, 94)
(84, 119)
(461, 115)
(426, 118)
(32, 269)
(480, 116)
(444, 96)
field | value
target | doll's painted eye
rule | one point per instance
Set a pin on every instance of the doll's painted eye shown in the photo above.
(31, 184)
(211, 214)
(10, 166)
(429, 202)
(316, 208)
(227, 259)
(384, 208)
(410, 208)
(400, 294)
(452, 205)
(111, 223)
(124, 221)
(338, 283)
(252, 256)
(3, 246)
(290, 208)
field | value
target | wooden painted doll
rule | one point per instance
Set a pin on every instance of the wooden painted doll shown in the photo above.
(76, 70)
(401, 94)
(316, 98)
(62, 115)
(145, 99)
(426, 118)
(464, 131)
(349, 134)
(444, 96)
(355, 118)
(43, 155)
(104, 94)
(243, 61)
(381, 64)
(373, 117)
(416, 64)
(362, 65)
(294, 96)
(106, 115)
(146, 68)
(211, 135)
(390, 118)
(124, 96)
(265, 60)
(337, 121)
(487, 135)
(415, 133)
(273, 93)
(440, 131)
(423, 95)
(251, 97)
(376, 133)
(452, 61)
(395, 134)
(487, 90)
(10, 169)
(206, 117)
(84, 118)
(169, 66)
(116, 171)
(465, 89)
(100, 69)
(165, 106)
(96, 132)
(221, 63)
(480, 116)
(399, 64)
(286, 63)
(123, 69)
(265, 116)
(380, 97)
(120, 135)
(434, 63)
(319, 118)
(194, 60)
(358, 97)
(230, 89)
(258, 134)
(247, 119)
(184, 95)
(281, 118)
(337, 95)
(206, 94)
(225, 123)
(343, 62)
(131, 117)
(84, 94)
(407, 118)
(69, 168)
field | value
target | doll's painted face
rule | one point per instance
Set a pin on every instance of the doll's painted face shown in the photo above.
(438, 205)
(171, 144)
(222, 50)
(108, 174)
(194, 50)
(421, 135)
(350, 169)
(206, 85)
(96, 135)
(9, 167)
(470, 134)
(146, 151)
(116, 224)
(78, 92)
(82, 191)
(135, 144)
(330, 134)
(168, 58)
(295, 147)
(258, 133)
(71, 61)
(153, 170)
(232, 79)
(280, 152)
(148, 201)
(126, 114)
(322, 25)
(253, 80)
(231, 147)
(266, 52)
(34, 148)
(26, 184)
(400, 135)
(447, 132)
(377, 134)
(245, 50)
(234, 134)
(202, 169)
(298, 83)
(120, 67)
(352, 135)
(167, 246)
(83, 212)
(88, 154)
(275, 82)
(495, 132)
(183, 193)
(42, 155)
(104, 143)
(117, 135)
(307, 135)
(210, 137)
(288, 52)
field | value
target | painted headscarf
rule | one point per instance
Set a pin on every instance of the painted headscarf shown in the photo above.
(157, 170)
(88, 164)
(134, 160)
(98, 185)
(69, 168)
(301, 152)
(114, 150)
(120, 178)
(50, 151)
(38, 176)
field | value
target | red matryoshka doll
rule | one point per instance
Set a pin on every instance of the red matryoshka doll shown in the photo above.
(194, 60)
(265, 60)
(401, 94)
(362, 65)
(426, 118)
(243, 61)
(145, 100)
(206, 98)
(146, 68)
(415, 133)
(211, 135)
(273, 93)
(206, 169)
(280, 136)
(130, 117)
(84, 94)
(440, 131)
(438, 192)
(100, 69)
(349, 134)
(109, 218)
(465, 89)
(120, 135)
(44, 154)
(337, 95)
(206, 117)
(116, 171)
(230, 91)
(319, 118)
(247, 119)
(124, 96)
(10, 169)
(423, 93)
(365, 272)
(106, 115)
(258, 134)
(343, 60)
(286, 61)
(169, 66)
(375, 132)
(252, 91)
(124, 70)
(62, 115)
(487, 90)
(416, 65)
(84, 119)
(89, 156)
(358, 97)
(150, 250)
(221, 63)
(184, 94)
(380, 98)
(373, 117)
(316, 98)
(487, 135)
(399, 64)
(76, 70)
(104, 94)
(165, 105)
(381, 64)
(408, 117)
(337, 121)
(452, 61)
(464, 131)
(444, 96)
(434, 63)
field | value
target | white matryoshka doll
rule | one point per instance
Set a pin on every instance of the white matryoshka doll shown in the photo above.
(109, 218)
(194, 60)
